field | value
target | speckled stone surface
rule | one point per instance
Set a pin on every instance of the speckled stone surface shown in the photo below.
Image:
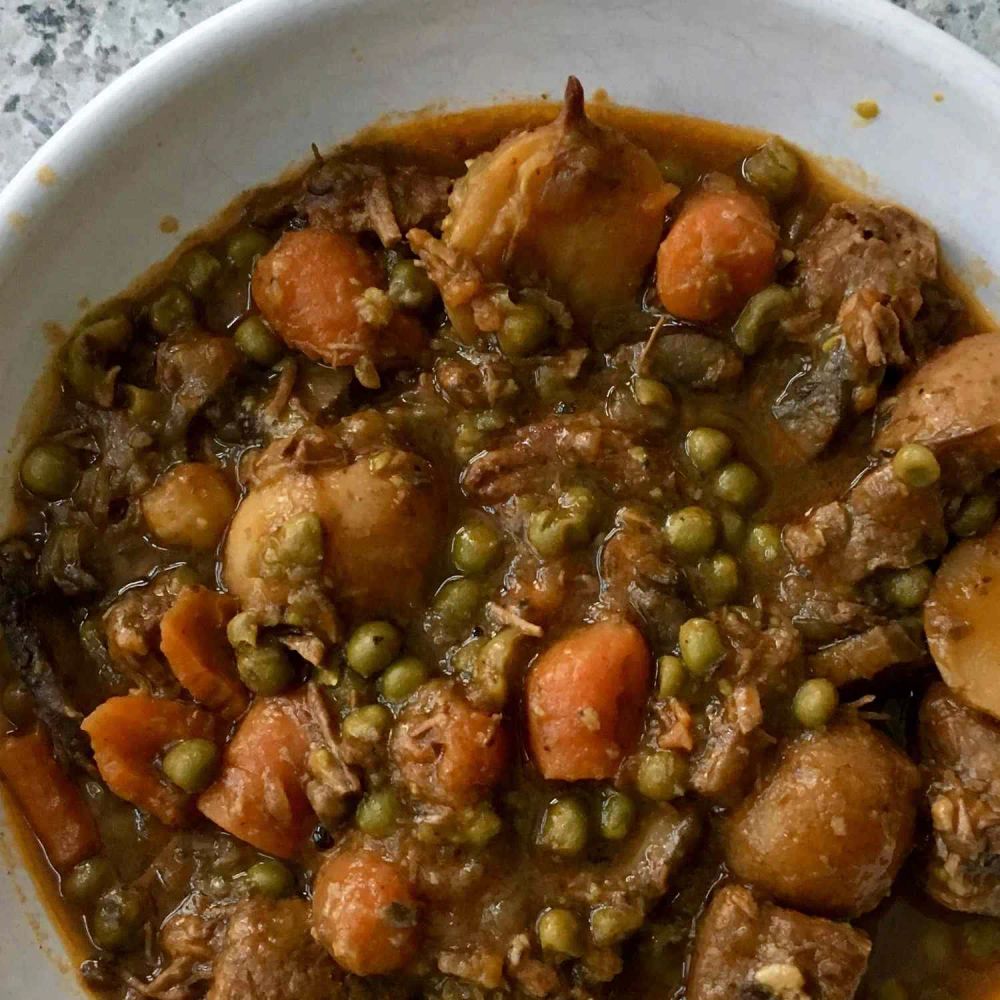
(57, 54)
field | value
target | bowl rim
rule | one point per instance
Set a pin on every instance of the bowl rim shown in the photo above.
(920, 40)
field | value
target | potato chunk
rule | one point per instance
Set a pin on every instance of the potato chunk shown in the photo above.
(571, 207)
(949, 403)
(828, 828)
(190, 506)
(962, 622)
(379, 518)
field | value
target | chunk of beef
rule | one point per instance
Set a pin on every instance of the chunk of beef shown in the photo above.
(864, 268)
(192, 368)
(746, 949)
(639, 580)
(32, 662)
(692, 359)
(824, 611)
(532, 457)
(269, 953)
(368, 197)
(814, 402)
(764, 664)
(475, 386)
(960, 750)
(862, 656)
(828, 826)
(880, 524)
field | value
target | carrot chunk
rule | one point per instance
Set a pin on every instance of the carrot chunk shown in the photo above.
(129, 734)
(585, 700)
(719, 251)
(260, 795)
(364, 912)
(53, 806)
(193, 639)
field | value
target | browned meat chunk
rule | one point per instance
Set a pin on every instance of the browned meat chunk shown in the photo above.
(533, 455)
(880, 524)
(828, 827)
(961, 759)
(692, 359)
(364, 197)
(192, 369)
(746, 949)
(269, 953)
(861, 657)
(864, 269)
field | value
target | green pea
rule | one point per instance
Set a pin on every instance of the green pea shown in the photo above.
(937, 945)
(50, 470)
(243, 246)
(145, 406)
(718, 579)
(559, 932)
(117, 920)
(981, 938)
(197, 270)
(773, 170)
(255, 340)
(266, 668)
(908, 588)
(649, 392)
(492, 667)
(410, 286)
(736, 483)
(610, 924)
(367, 724)
(476, 548)
(760, 317)
(270, 878)
(171, 310)
(458, 601)
(564, 827)
(764, 544)
(242, 629)
(525, 329)
(815, 702)
(891, 989)
(299, 542)
(975, 516)
(662, 775)
(372, 647)
(690, 531)
(191, 764)
(480, 825)
(584, 507)
(617, 815)
(700, 645)
(916, 466)
(377, 813)
(18, 704)
(734, 528)
(464, 658)
(670, 676)
(707, 448)
(675, 170)
(402, 678)
(87, 880)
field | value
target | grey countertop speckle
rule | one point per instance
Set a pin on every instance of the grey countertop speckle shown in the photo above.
(57, 54)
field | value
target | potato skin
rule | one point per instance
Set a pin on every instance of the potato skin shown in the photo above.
(961, 624)
(828, 827)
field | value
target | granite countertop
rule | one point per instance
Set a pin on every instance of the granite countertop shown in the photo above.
(57, 54)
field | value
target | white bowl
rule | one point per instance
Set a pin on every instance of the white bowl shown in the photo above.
(231, 103)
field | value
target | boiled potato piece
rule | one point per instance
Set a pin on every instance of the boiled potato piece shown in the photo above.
(951, 401)
(189, 506)
(378, 515)
(827, 829)
(962, 621)
(571, 207)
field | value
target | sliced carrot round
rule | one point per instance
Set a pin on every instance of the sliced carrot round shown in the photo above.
(364, 912)
(585, 699)
(260, 795)
(719, 251)
(129, 734)
(193, 639)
